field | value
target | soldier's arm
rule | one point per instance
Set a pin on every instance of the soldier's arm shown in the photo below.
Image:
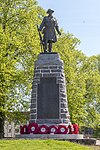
(42, 24)
(57, 27)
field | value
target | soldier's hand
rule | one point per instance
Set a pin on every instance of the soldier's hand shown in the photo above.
(39, 29)
(59, 33)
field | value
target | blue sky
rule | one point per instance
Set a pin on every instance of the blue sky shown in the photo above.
(79, 17)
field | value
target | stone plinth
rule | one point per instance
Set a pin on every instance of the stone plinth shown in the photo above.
(51, 136)
(49, 99)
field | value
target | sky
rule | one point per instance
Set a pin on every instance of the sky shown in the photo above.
(80, 18)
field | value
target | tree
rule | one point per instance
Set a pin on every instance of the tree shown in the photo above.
(73, 59)
(92, 78)
(19, 48)
(7, 71)
(83, 78)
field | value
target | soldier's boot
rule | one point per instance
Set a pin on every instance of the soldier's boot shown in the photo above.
(50, 46)
(45, 47)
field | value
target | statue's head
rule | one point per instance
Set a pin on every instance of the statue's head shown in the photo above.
(50, 11)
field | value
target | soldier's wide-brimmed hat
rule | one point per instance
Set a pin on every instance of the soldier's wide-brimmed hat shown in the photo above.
(50, 11)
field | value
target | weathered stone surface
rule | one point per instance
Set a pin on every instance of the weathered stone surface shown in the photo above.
(33, 116)
(71, 137)
(43, 71)
(32, 121)
(33, 100)
(38, 74)
(37, 70)
(63, 105)
(33, 110)
(33, 105)
(34, 86)
(55, 70)
(36, 80)
(64, 110)
(62, 94)
(49, 121)
(42, 67)
(66, 121)
(53, 67)
(60, 67)
(62, 86)
(62, 100)
(51, 75)
(49, 99)
(64, 116)
(48, 59)
(60, 81)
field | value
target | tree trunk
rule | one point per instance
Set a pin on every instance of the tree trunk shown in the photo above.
(2, 117)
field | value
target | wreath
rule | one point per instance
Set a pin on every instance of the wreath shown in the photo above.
(33, 128)
(23, 129)
(53, 129)
(43, 129)
(62, 129)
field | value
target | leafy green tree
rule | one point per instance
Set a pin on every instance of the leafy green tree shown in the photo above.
(92, 95)
(83, 81)
(19, 48)
(73, 60)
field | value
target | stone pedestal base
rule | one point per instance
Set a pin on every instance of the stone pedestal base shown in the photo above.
(49, 98)
(51, 136)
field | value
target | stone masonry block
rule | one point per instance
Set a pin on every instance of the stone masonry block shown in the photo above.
(65, 110)
(34, 86)
(42, 67)
(60, 67)
(60, 81)
(63, 100)
(33, 116)
(33, 105)
(62, 86)
(38, 74)
(63, 116)
(34, 91)
(55, 70)
(51, 74)
(37, 71)
(33, 111)
(52, 67)
(43, 71)
(33, 100)
(34, 95)
(62, 95)
(49, 121)
(32, 121)
(66, 121)
(63, 105)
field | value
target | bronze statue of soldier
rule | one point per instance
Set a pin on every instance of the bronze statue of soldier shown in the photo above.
(48, 27)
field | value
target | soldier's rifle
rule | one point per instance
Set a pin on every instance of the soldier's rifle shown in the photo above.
(41, 39)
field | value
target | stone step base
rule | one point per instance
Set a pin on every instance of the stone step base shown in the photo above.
(98, 142)
(51, 136)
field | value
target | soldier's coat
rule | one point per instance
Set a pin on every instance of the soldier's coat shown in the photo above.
(48, 25)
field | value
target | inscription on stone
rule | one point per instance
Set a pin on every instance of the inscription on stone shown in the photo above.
(48, 99)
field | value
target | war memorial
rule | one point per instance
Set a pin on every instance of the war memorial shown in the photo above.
(49, 114)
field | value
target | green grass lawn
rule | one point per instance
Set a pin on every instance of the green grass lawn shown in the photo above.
(41, 145)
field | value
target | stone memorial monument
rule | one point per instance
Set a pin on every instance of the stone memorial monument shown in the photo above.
(49, 99)
(49, 115)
